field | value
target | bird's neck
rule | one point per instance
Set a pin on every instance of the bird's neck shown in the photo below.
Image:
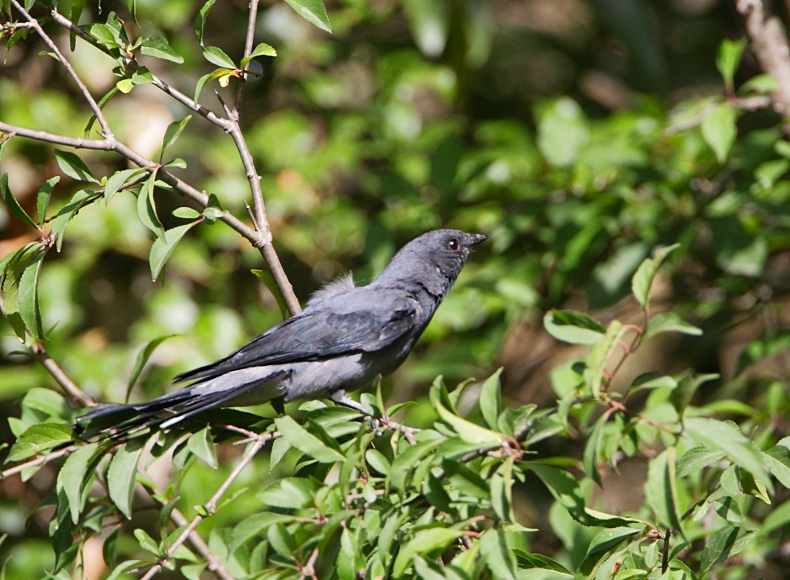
(424, 281)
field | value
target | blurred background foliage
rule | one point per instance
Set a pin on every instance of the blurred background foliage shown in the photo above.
(566, 130)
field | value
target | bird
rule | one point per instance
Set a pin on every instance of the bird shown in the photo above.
(344, 338)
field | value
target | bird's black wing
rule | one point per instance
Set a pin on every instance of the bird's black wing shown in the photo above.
(340, 327)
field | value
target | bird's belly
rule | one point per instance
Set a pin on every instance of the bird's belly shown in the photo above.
(314, 378)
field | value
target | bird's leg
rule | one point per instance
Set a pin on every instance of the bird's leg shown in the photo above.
(340, 398)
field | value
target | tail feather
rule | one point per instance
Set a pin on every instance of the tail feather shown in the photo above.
(121, 421)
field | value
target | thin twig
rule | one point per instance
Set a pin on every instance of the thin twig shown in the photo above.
(175, 516)
(262, 220)
(211, 505)
(133, 65)
(69, 387)
(39, 460)
(255, 238)
(251, 25)
(262, 239)
(105, 126)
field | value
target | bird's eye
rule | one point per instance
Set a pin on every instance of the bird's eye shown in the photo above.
(453, 244)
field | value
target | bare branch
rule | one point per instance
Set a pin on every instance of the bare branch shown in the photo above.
(211, 505)
(769, 43)
(54, 47)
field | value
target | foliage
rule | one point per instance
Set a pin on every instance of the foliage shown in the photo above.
(649, 238)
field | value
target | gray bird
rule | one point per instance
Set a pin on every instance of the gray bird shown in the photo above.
(343, 339)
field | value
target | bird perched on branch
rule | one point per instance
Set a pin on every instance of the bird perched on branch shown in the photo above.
(343, 339)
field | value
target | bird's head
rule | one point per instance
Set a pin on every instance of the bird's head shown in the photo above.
(442, 252)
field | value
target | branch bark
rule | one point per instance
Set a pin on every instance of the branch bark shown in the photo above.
(768, 41)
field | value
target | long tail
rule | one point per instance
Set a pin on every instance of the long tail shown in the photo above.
(121, 421)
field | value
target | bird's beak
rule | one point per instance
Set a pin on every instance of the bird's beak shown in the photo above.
(476, 239)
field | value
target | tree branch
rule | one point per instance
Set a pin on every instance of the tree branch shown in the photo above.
(261, 239)
(211, 506)
(251, 22)
(133, 65)
(57, 373)
(769, 43)
(105, 126)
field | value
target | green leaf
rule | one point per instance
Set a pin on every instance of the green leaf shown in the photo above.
(723, 544)
(73, 166)
(497, 556)
(313, 11)
(172, 134)
(501, 486)
(201, 445)
(491, 399)
(563, 131)
(466, 430)
(644, 275)
(777, 459)
(142, 76)
(142, 358)
(572, 327)
(647, 381)
(123, 569)
(669, 322)
(63, 217)
(682, 394)
(405, 461)
(725, 436)
(160, 48)
(592, 449)
(661, 489)
(38, 439)
(42, 199)
(146, 207)
(118, 179)
(256, 525)
(305, 442)
(289, 493)
(29, 308)
(13, 204)
(220, 73)
(600, 354)
(72, 476)
(122, 473)
(18, 285)
(528, 560)
(147, 543)
(728, 59)
(377, 461)
(217, 57)
(200, 19)
(719, 130)
(261, 49)
(126, 86)
(163, 247)
(696, 458)
(431, 541)
(186, 213)
(268, 280)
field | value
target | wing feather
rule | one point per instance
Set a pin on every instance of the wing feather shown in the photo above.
(340, 327)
